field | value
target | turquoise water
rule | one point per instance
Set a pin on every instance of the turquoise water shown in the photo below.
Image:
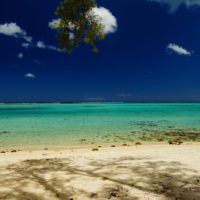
(67, 124)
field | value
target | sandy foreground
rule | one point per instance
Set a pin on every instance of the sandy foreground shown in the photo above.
(146, 172)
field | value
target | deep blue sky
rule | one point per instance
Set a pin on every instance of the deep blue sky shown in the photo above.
(133, 63)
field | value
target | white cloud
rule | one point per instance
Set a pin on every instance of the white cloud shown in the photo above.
(29, 75)
(105, 17)
(26, 45)
(20, 55)
(28, 39)
(13, 30)
(52, 48)
(178, 50)
(42, 45)
(175, 4)
(54, 24)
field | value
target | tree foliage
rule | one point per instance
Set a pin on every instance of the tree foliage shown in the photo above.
(77, 24)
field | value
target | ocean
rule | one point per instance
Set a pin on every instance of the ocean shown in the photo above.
(75, 124)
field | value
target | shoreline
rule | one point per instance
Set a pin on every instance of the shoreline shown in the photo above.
(91, 146)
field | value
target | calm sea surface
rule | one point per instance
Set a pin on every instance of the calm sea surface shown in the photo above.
(67, 124)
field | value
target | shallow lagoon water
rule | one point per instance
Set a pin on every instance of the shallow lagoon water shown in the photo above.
(71, 124)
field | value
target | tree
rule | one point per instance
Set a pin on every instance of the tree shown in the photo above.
(77, 24)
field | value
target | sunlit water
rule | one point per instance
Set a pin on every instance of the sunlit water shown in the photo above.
(71, 124)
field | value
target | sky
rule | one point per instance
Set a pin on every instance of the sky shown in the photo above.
(151, 53)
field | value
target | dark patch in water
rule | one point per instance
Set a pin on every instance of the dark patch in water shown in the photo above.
(4, 132)
(144, 123)
(184, 134)
(174, 135)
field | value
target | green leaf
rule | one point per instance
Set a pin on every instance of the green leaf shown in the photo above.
(78, 24)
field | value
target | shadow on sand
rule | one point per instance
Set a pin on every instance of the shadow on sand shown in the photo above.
(125, 178)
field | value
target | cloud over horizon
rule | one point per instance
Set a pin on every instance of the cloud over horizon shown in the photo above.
(178, 50)
(173, 5)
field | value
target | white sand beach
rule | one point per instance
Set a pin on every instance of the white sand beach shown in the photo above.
(145, 172)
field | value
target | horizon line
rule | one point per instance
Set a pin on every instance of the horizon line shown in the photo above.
(100, 102)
